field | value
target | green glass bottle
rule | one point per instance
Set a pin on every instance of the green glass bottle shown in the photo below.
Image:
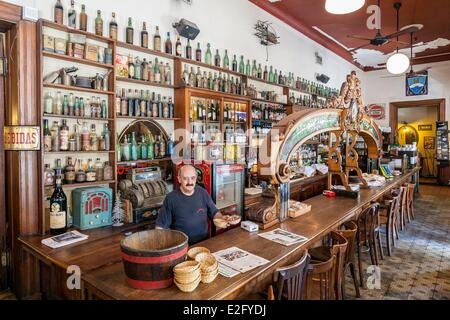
(134, 147)
(208, 56)
(150, 149)
(242, 65)
(144, 151)
(217, 59)
(248, 69)
(254, 69)
(271, 74)
(226, 60)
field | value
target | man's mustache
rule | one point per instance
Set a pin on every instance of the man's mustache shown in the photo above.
(189, 185)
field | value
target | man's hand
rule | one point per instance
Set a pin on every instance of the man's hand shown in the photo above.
(218, 215)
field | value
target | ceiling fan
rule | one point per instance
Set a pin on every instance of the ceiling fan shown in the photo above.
(411, 72)
(379, 39)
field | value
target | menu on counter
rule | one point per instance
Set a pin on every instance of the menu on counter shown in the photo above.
(283, 237)
(238, 259)
(64, 239)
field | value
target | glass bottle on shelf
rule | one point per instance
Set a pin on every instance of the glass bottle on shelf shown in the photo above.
(77, 137)
(259, 72)
(47, 137)
(113, 27)
(150, 147)
(64, 136)
(144, 36)
(98, 170)
(217, 58)
(99, 24)
(265, 74)
(208, 55)
(71, 104)
(91, 172)
(137, 69)
(198, 53)
(157, 72)
(157, 40)
(83, 18)
(178, 48)
(69, 172)
(226, 60)
(129, 32)
(254, 69)
(136, 106)
(168, 44)
(143, 148)
(72, 16)
(58, 12)
(166, 111)
(93, 139)
(85, 140)
(234, 65)
(170, 146)
(108, 173)
(49, 176)
(156, 148)
(57, 106)
(125, 149)
(189, 50)
(48, 103)
(167, 74)
(107, 136)
(162, 147)
(133, 147)
(58, 210)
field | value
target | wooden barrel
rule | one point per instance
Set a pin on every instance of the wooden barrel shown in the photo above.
(149, 257)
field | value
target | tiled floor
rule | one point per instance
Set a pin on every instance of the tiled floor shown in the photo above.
(419, 268)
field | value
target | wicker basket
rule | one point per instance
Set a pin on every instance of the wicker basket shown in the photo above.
(185, 278)
(209, 277)
(192, 253)
(186, 267)
(208, 262)
(188, 287)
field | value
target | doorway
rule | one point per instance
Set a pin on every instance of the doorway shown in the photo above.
(414, 122)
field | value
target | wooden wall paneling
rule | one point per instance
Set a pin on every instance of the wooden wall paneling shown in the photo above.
(22, 175)
(3, 231)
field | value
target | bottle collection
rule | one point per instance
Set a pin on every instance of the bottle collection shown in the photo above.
(143, 104)
(205, 109)
(308, 101)
(225, 83)
(155, 72)
(239, 65)
(148, 147)
(70, 105)
(58, 138)
(267, 111)
(78, 171)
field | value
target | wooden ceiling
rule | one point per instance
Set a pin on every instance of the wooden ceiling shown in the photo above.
(303, 15)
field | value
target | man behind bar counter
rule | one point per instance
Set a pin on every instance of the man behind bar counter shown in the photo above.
(188, 208)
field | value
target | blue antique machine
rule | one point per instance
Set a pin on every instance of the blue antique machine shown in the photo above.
(92, 207)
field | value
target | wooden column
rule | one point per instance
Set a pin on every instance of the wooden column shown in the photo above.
(22, 167)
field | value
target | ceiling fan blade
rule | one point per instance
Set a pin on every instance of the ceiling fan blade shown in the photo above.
(399, 42)
(359, 37)
(401, 32)
(360, 47)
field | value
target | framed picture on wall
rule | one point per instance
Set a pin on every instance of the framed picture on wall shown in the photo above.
(429, 142)
(417, 83)
(377, 111)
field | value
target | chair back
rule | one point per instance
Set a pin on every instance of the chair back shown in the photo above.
(290, 280)
(319, 281)
(349, 233)
(338, 249)
(368, 222)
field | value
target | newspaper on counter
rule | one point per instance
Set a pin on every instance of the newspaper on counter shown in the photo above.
(227, 271)
(239, 259)
(283, 237)
(64, 239)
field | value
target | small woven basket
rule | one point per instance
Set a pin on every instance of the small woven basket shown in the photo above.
(188, 287)
(186, 267)
(209, 277)
(207, 262)
(192, 253)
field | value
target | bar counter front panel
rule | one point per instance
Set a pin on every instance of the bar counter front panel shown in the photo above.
(102, 271)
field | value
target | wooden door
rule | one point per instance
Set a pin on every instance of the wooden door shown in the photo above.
(3, 242)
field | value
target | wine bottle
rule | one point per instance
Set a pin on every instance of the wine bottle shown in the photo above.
(83, 18)
(113, 27)
(157, 40)
(99, 24)
(189, 50)
(168, 45)
(178, 48)
(58, 210)
(144, 36)
(59, 12)
(208, 55)
(130, 32)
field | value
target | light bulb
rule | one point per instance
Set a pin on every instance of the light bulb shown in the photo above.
(397, 63)
(343, 6)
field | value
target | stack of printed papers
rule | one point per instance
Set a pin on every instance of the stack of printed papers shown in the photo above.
(238, 260)
(64, 239)
(283, 237)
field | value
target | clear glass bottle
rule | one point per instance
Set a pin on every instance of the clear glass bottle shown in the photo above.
(93, 139)
(49, 176)
(72, 16)
(108, 173)
(48, 103)
(91, 172)
(98, 170)
(64, 136)
(134, 147)
(208, 55)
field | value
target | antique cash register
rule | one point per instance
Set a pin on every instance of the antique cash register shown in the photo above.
(146, 190)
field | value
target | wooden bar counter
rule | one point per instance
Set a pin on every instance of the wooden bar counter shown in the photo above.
(102, 270)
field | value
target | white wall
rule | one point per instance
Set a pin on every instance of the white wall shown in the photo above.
(377, 89)
(225, 24)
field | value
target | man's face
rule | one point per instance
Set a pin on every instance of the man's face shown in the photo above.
(187, 179)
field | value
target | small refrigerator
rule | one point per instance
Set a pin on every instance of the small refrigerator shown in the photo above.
(225, 185)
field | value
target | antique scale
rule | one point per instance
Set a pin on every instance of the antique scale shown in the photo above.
(343, 118)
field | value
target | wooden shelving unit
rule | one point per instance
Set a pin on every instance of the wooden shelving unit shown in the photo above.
(60, 116)
(145, 83)
(84, 184)
(74, 88)
(143, 161)
(76, 60)
(125, 45)
(147, 118)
